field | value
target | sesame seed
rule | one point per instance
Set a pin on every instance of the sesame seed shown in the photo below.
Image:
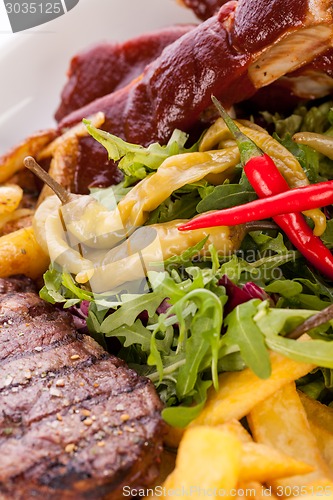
(74, 357)
(59, 417)
(88, 422)
(124, 417)
(70, 448)
(85, 412)
(101, 443)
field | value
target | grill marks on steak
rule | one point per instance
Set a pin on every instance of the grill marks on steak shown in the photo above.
(75, 422)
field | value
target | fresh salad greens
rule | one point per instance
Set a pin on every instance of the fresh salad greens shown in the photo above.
(205, 314)
(135, 160)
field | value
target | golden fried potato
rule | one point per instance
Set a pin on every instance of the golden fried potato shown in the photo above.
(21, 254)
(280, 422)
(264, 463)
(62, 166)
(320, 418)
(240, 391)
(10, 198)
(209, 459)
(79, 130)
(12, 162)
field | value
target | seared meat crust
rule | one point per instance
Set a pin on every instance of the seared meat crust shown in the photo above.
(75, 422)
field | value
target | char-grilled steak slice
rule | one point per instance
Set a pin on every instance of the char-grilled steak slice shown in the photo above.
(75, 422)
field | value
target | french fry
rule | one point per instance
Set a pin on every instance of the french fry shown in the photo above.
(78, 130)
(240, 391)
(208, 460)
(63, 164)
(280, 422)
(12, 162)
(21, 254)
(10, 198)
(264, 463)
(320, 418)
(236, 427)
(203, 447)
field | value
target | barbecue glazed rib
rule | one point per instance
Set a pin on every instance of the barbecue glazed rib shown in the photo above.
(107, 67)
(75, 422)
(247, 45)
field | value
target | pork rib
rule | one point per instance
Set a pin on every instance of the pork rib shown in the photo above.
(247, 45)
(106, 67)
(75, 422)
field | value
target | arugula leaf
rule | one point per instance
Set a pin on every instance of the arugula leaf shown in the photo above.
(284, 126)
(308, 158)
(183, 207)
(244, 332)
(313, 389)
(318, 352)
(52, 285)
(134, 159)
(286, 288)
(275, 321)
(155, 358)
(135, 334)
(129, 311)
(181, 416)
(185, 257)
(226, 196)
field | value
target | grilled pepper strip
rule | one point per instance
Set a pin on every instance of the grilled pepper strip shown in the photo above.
(319, 142)
(266, 180)
(294, 200)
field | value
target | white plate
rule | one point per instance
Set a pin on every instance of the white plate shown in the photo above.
(33, 63)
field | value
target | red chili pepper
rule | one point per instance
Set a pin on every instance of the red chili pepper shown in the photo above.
(294, 200)
(266, 180)
(268, 183)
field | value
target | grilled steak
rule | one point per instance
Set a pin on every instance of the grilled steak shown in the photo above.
(75, 421)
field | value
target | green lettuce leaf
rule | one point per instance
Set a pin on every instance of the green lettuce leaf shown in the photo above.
(244, 332)
(135, 160)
